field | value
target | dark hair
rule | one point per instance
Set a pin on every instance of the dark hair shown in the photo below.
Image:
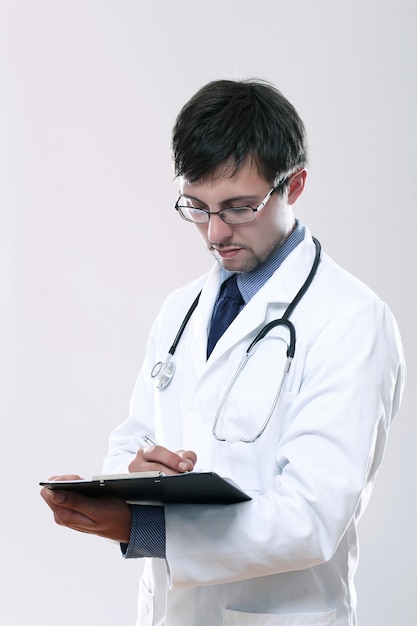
(227, 121)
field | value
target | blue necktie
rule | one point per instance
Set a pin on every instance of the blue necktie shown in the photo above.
(225, 311)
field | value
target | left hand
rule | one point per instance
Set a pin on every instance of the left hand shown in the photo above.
(106, 516)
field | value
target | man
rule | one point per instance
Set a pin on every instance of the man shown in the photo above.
(304, 444)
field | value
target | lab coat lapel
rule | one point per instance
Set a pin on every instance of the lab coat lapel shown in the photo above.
(200, 321)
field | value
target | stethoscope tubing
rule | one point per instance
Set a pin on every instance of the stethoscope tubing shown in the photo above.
(184, 323)
(284, 321)
(162, 380)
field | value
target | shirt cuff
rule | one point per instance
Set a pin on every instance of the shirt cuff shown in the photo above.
(147, 533)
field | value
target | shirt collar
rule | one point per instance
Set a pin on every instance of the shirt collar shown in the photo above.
(250, 282)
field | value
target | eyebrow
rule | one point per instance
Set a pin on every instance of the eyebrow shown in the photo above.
(245, 200)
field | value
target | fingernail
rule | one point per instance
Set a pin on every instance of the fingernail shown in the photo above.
(183, 466)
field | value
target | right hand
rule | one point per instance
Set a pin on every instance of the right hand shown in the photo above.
(158, 458)
(106, 517)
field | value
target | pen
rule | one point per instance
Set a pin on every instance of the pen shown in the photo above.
(149, 440)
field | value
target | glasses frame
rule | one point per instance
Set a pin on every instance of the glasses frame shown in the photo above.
(221, 213)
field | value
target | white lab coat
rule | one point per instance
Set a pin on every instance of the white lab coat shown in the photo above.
(288, 556)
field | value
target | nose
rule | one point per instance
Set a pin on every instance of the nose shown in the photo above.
(218, 231)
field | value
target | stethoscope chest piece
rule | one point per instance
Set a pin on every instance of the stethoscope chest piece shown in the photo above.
(163, 373)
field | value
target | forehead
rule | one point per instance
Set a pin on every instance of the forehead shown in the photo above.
(246, 180)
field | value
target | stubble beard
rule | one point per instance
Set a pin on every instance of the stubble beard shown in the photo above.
(252, 263)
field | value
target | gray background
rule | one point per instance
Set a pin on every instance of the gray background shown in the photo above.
(90, 245)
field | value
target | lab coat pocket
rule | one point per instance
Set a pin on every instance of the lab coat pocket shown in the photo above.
(145, 605)
(240, 618)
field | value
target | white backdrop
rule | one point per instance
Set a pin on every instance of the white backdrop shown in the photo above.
(90, 245)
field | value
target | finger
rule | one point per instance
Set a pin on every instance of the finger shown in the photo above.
(66, 516)
(142, 464)
(159, 458)
(189, 456)
(61, 504)
(65, 477)
(47, 496)
(58, 499)
(106, 516)
(169, 460)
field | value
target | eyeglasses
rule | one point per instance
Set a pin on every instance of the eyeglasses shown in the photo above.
(233, 215)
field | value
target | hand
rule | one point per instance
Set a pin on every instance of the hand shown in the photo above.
(106, 516)
(158, 458)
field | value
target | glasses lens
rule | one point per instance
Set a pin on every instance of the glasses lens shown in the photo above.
(191, 214)
(238, 215)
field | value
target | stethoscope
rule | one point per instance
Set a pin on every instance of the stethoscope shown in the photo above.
(163, 372)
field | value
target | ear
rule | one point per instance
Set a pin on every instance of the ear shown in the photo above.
(296, 186)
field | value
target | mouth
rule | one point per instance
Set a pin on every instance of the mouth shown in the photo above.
(225, 252)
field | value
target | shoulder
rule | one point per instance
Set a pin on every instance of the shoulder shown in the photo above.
(337, 299)
(345, 310)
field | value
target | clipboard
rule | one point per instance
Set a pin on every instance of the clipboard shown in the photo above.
(157, 488)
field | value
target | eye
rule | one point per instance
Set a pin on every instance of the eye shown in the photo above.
(195, 210)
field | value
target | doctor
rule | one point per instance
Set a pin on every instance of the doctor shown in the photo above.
(301, 424)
